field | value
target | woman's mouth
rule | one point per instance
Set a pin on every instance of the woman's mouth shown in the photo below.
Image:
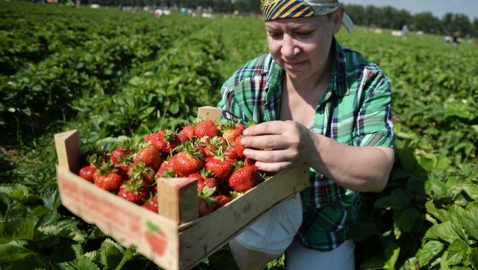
(293, 65)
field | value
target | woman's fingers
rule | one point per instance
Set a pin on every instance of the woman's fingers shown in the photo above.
(271, 156)
(264, 142)
(266, 128)
(272, 167)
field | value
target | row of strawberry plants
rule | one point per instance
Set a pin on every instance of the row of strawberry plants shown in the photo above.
(97, 64)
(422, 219)
(162, 92)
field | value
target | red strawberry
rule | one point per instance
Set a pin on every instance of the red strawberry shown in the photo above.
(134, 191)
(219, 166)
(87, 173)
(232, 131)
(205, 128)
(221, 200)
(107, 178)
(213, 145)
(150, 155)
(165, 141)
(139, 171)
(166, 169)
(207, 180)
(119, 156)
(243, 179)
(196, 176)
(230, 153)
(186, 133)
(187, 162)
(151, 204)
(239, 147)
(207, 203)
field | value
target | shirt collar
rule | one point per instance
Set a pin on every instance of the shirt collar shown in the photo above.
(339, 69)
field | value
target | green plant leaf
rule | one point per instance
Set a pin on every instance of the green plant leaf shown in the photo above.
(473, 257)
(428, 161)
(84, 263)
(457, 216)
(111, 253)
(440, 214)
(444, 231)
(457, 252)
(391, 252)
(406, 219)
(436, 189)
(398, 199)
(428, 252)
(469, 221)
(471, 190)
(14, 251)
(374, 263)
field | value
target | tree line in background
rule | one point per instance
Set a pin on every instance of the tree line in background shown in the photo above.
(372, 16)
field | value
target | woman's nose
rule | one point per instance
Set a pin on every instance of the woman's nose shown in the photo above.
(289, 47)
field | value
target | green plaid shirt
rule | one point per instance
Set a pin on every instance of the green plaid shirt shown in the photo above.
(355, 110)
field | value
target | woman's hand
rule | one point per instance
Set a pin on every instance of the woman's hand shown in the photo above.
(278, 145)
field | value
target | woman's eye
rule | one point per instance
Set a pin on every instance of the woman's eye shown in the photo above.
(304, 34)
(275, 35)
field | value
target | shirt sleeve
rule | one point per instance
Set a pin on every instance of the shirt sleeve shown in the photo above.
(374, 122)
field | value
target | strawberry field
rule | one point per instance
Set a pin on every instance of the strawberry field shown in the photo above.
(113, 74)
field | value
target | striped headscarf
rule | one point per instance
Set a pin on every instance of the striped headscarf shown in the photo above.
(281, 9)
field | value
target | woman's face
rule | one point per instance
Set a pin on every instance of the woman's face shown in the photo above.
(301, 45)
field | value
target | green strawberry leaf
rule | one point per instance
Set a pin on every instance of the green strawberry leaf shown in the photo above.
(428, 252)
(457, 252)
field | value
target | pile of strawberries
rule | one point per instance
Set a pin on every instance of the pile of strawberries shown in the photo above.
(208, 151)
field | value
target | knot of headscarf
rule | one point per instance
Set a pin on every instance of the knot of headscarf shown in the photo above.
(281, 9)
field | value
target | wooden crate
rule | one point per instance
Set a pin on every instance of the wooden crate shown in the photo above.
(177, 238)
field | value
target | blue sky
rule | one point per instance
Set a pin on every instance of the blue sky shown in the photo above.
(436, 7)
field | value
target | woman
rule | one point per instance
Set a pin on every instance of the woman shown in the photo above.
(320, 104)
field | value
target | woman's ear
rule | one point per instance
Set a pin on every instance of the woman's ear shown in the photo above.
(337, 19)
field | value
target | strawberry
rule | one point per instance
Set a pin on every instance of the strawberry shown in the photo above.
(151, 204)
(139, 171)
(219, 166)
(166, 169)
(207, 203)
(186, 133)
(187, 161)
(120, 158)
(230, 152)
(208, 180)
(134, 191)
(150, 155)
(87, 173)
(244, 178)
(106, 177)
(232, 131)
(238, 147)
(164, 141)
(205, 128)
(221, 200)
(213, 145)
(196, 176)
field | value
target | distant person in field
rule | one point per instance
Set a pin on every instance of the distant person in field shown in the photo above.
(405, 30)
(318, 104)
(455, 37)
